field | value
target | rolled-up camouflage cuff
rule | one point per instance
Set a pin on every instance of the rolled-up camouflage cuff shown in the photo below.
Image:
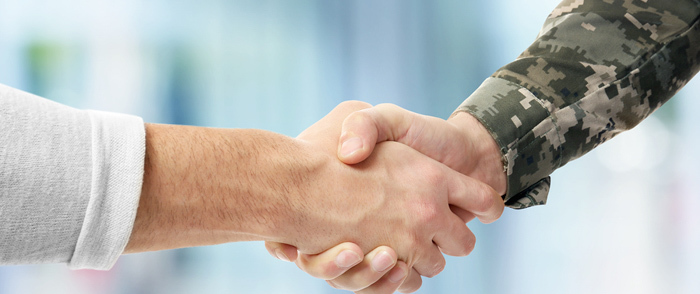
(597, 69)
(533, 195)
(524, 129)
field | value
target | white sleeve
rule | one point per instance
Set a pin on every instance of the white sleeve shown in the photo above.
(70, 182)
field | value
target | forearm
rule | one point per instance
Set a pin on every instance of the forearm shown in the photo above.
(206, 186)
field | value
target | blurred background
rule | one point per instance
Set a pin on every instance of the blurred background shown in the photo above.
(623, 219)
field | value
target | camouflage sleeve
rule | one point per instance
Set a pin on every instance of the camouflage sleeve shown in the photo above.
(597, 68)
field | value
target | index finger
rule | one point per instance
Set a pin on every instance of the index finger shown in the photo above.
(476, 197)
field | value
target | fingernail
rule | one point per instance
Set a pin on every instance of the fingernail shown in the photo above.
(397, 274)
(382, 262)
(349, 146)
(347, 259)
(281, 255)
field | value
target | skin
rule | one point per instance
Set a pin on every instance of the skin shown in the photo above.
(461, 142)
(205, 186)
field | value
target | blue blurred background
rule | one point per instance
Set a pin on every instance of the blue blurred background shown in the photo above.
(623, 219)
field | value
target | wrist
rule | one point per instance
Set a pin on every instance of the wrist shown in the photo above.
(488, 159)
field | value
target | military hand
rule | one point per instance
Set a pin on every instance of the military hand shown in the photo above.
(461, 142)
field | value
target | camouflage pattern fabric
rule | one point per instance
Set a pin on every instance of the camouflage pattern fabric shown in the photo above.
(597, 68)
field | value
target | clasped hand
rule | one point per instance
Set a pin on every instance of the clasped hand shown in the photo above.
(404, 201)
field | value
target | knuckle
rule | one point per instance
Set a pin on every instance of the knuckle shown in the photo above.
(384, 105)
(440, 266)
(412, 239)
(465, 242)
(433, 175)
(359, 122)
(485, 199)
(354, 104)
(469, 245)
(359, 117)
(387, 106)
(427, 213)
(437, 268)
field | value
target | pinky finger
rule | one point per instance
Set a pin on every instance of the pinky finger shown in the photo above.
(412, 282)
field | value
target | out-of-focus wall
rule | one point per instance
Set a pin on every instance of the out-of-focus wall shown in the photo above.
(623, 219)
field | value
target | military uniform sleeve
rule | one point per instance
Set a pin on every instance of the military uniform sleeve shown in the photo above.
(70, 182)
(596, 69)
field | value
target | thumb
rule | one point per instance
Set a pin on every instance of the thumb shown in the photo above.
(362, 130)
(358, 138)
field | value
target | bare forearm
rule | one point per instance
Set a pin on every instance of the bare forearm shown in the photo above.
(206, 186)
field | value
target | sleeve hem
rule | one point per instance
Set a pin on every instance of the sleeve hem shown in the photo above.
(118, 151)
(520, 123)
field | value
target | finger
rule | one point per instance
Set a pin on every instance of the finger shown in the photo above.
(281, 251)
(412, 283)
(430, 262)
(363, 129)
(457, 239)
(466, 216)
(332, 262)
(390, 282)
(375, 264)
(476, 197)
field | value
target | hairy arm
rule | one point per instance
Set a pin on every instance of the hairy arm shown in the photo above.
(206, 186)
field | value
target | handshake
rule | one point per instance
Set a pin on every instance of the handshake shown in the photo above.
(367, 198)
